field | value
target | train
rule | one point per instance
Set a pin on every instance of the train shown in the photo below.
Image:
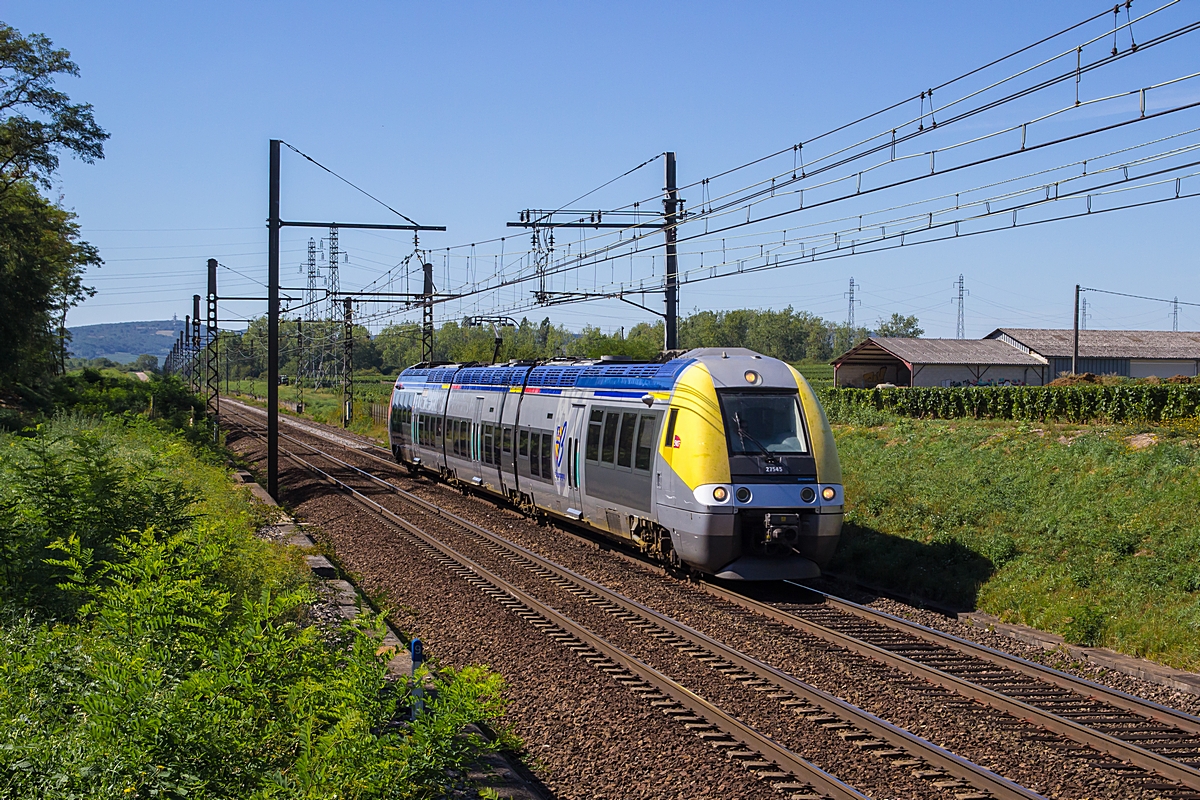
(717, 461)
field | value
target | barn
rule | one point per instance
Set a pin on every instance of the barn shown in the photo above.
(1133, 354)
(939, 362)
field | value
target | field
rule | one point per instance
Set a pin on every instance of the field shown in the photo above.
(817, 373)
(1092, 532)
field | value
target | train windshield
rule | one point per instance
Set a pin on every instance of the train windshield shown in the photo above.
(758, 424)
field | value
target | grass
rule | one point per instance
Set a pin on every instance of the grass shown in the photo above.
(1069, 529)
(322, 405)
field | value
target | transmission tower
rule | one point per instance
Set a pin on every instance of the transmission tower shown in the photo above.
(961, 332)
(850, 312)
(333, 288)
(1175, 314)
(310, 358)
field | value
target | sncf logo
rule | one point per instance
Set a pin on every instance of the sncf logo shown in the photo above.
(560, 440)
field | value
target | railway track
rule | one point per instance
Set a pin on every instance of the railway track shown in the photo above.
(1152, 746)
(1142, 733)
(877, 739)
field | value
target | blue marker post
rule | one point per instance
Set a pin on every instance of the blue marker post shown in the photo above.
(417, 652)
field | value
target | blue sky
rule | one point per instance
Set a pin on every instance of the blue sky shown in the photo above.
(464, 114)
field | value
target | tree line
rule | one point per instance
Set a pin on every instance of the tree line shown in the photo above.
(313, 348)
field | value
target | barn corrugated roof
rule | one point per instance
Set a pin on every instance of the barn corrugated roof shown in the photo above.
(992, 352)
(1055, 343)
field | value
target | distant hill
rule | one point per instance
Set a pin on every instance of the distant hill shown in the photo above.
(124, 341)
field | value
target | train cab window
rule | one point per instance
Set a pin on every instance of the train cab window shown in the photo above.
(608, 447)
(625, 442)
(669, 438)
(645, 443)
(507, 439)
(547, 445)
(763, 423)
(523, 443)
(595, 423)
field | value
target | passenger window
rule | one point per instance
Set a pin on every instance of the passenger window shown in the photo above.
(593, 434)
(645, 442)
(507, 440)
(438, 429)
(625, 443)
(488, 434)
(496, 446)
(535, 461)
(523, 443)
(608, 450)
(547, 445)
(464, 435)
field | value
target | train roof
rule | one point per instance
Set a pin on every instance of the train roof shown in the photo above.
(587, 375)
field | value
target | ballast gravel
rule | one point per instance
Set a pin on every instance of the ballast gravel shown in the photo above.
(1041, 761)
(585, 735)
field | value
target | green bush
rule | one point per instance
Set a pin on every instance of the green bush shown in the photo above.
(1080, 403)
(167, 401)
(151, 646)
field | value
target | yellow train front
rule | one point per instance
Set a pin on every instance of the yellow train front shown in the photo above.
(720, 461)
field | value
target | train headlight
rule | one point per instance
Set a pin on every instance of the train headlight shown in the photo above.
(828, 493)
(807, 494)
(720, 494)
(753, 378)
(744, 495)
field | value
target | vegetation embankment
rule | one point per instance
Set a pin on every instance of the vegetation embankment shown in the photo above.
(152, 646)
(1092, 532)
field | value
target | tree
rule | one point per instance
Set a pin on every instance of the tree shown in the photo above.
(899, 327)
(146, 363)
(41, 277)
(36, 120)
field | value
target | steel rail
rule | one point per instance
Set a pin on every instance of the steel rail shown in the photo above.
(784, 763)
(1125, 751)
(944, 760)
(1114, 697)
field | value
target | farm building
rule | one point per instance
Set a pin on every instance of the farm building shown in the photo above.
(938, 362)
(1017, 357)
(1134, 354)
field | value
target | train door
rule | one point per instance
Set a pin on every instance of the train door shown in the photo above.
(476, 448)
(575, 430)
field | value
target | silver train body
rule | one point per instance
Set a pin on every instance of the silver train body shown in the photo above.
(720, 461)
